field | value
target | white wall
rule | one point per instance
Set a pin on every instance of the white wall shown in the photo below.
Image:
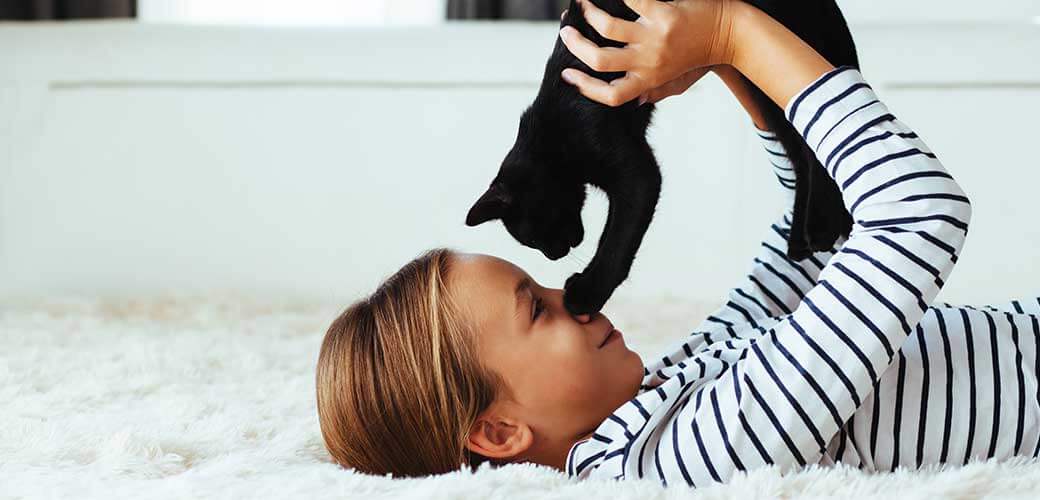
(149, 158)
(296, 12)
(938, 11)
(382, 12)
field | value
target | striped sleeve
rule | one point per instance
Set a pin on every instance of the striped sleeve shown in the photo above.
(775, 284)
(793, 388)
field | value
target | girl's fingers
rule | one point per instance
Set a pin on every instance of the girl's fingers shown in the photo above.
(579, 79)
(621, 90)
(609, 26)
(614, 93)
(598, 58)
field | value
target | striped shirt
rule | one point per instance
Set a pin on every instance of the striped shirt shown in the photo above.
(844, 356)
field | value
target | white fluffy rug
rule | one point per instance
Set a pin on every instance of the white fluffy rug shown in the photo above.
(213, 397)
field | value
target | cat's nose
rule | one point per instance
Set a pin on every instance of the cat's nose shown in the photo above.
(555, 253)
(583, 318)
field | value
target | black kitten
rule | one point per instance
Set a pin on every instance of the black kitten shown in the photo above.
(566, 141)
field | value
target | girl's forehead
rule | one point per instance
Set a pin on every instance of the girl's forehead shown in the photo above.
(478, 265)
(486, 286)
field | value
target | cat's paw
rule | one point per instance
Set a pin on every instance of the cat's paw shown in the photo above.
(584, 295)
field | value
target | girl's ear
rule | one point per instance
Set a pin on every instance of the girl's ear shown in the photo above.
(491, 205)
(499, 437)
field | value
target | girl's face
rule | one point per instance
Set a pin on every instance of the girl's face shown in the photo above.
(564, 374)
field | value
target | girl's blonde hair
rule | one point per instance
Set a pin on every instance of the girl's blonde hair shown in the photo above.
(399, 382)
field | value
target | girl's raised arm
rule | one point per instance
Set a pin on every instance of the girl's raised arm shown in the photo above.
(789, 392)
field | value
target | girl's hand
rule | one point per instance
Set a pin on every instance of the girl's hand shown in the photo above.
(728, 74)
(674, 87)
(667, 41)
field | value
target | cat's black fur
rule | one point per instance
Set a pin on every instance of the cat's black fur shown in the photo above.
(566, 141)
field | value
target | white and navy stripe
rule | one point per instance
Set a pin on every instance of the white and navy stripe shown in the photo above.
(839, 357)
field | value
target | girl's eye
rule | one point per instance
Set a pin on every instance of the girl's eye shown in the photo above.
(537, 308)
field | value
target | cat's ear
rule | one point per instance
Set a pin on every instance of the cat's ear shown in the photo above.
(491, 205)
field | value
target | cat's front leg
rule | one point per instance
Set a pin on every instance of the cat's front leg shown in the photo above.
(632, 205)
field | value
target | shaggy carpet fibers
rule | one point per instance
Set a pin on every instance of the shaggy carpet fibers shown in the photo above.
(213, 397)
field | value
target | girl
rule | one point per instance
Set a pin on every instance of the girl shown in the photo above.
(459, 358)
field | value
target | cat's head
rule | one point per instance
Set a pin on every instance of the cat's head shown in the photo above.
(537, 198)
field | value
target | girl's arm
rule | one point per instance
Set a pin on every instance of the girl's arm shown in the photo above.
(738, 86)
(795, 387)
(775, 284)
(789, 392)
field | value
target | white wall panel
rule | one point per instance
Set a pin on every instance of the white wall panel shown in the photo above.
(939, 11)
(146, 158)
